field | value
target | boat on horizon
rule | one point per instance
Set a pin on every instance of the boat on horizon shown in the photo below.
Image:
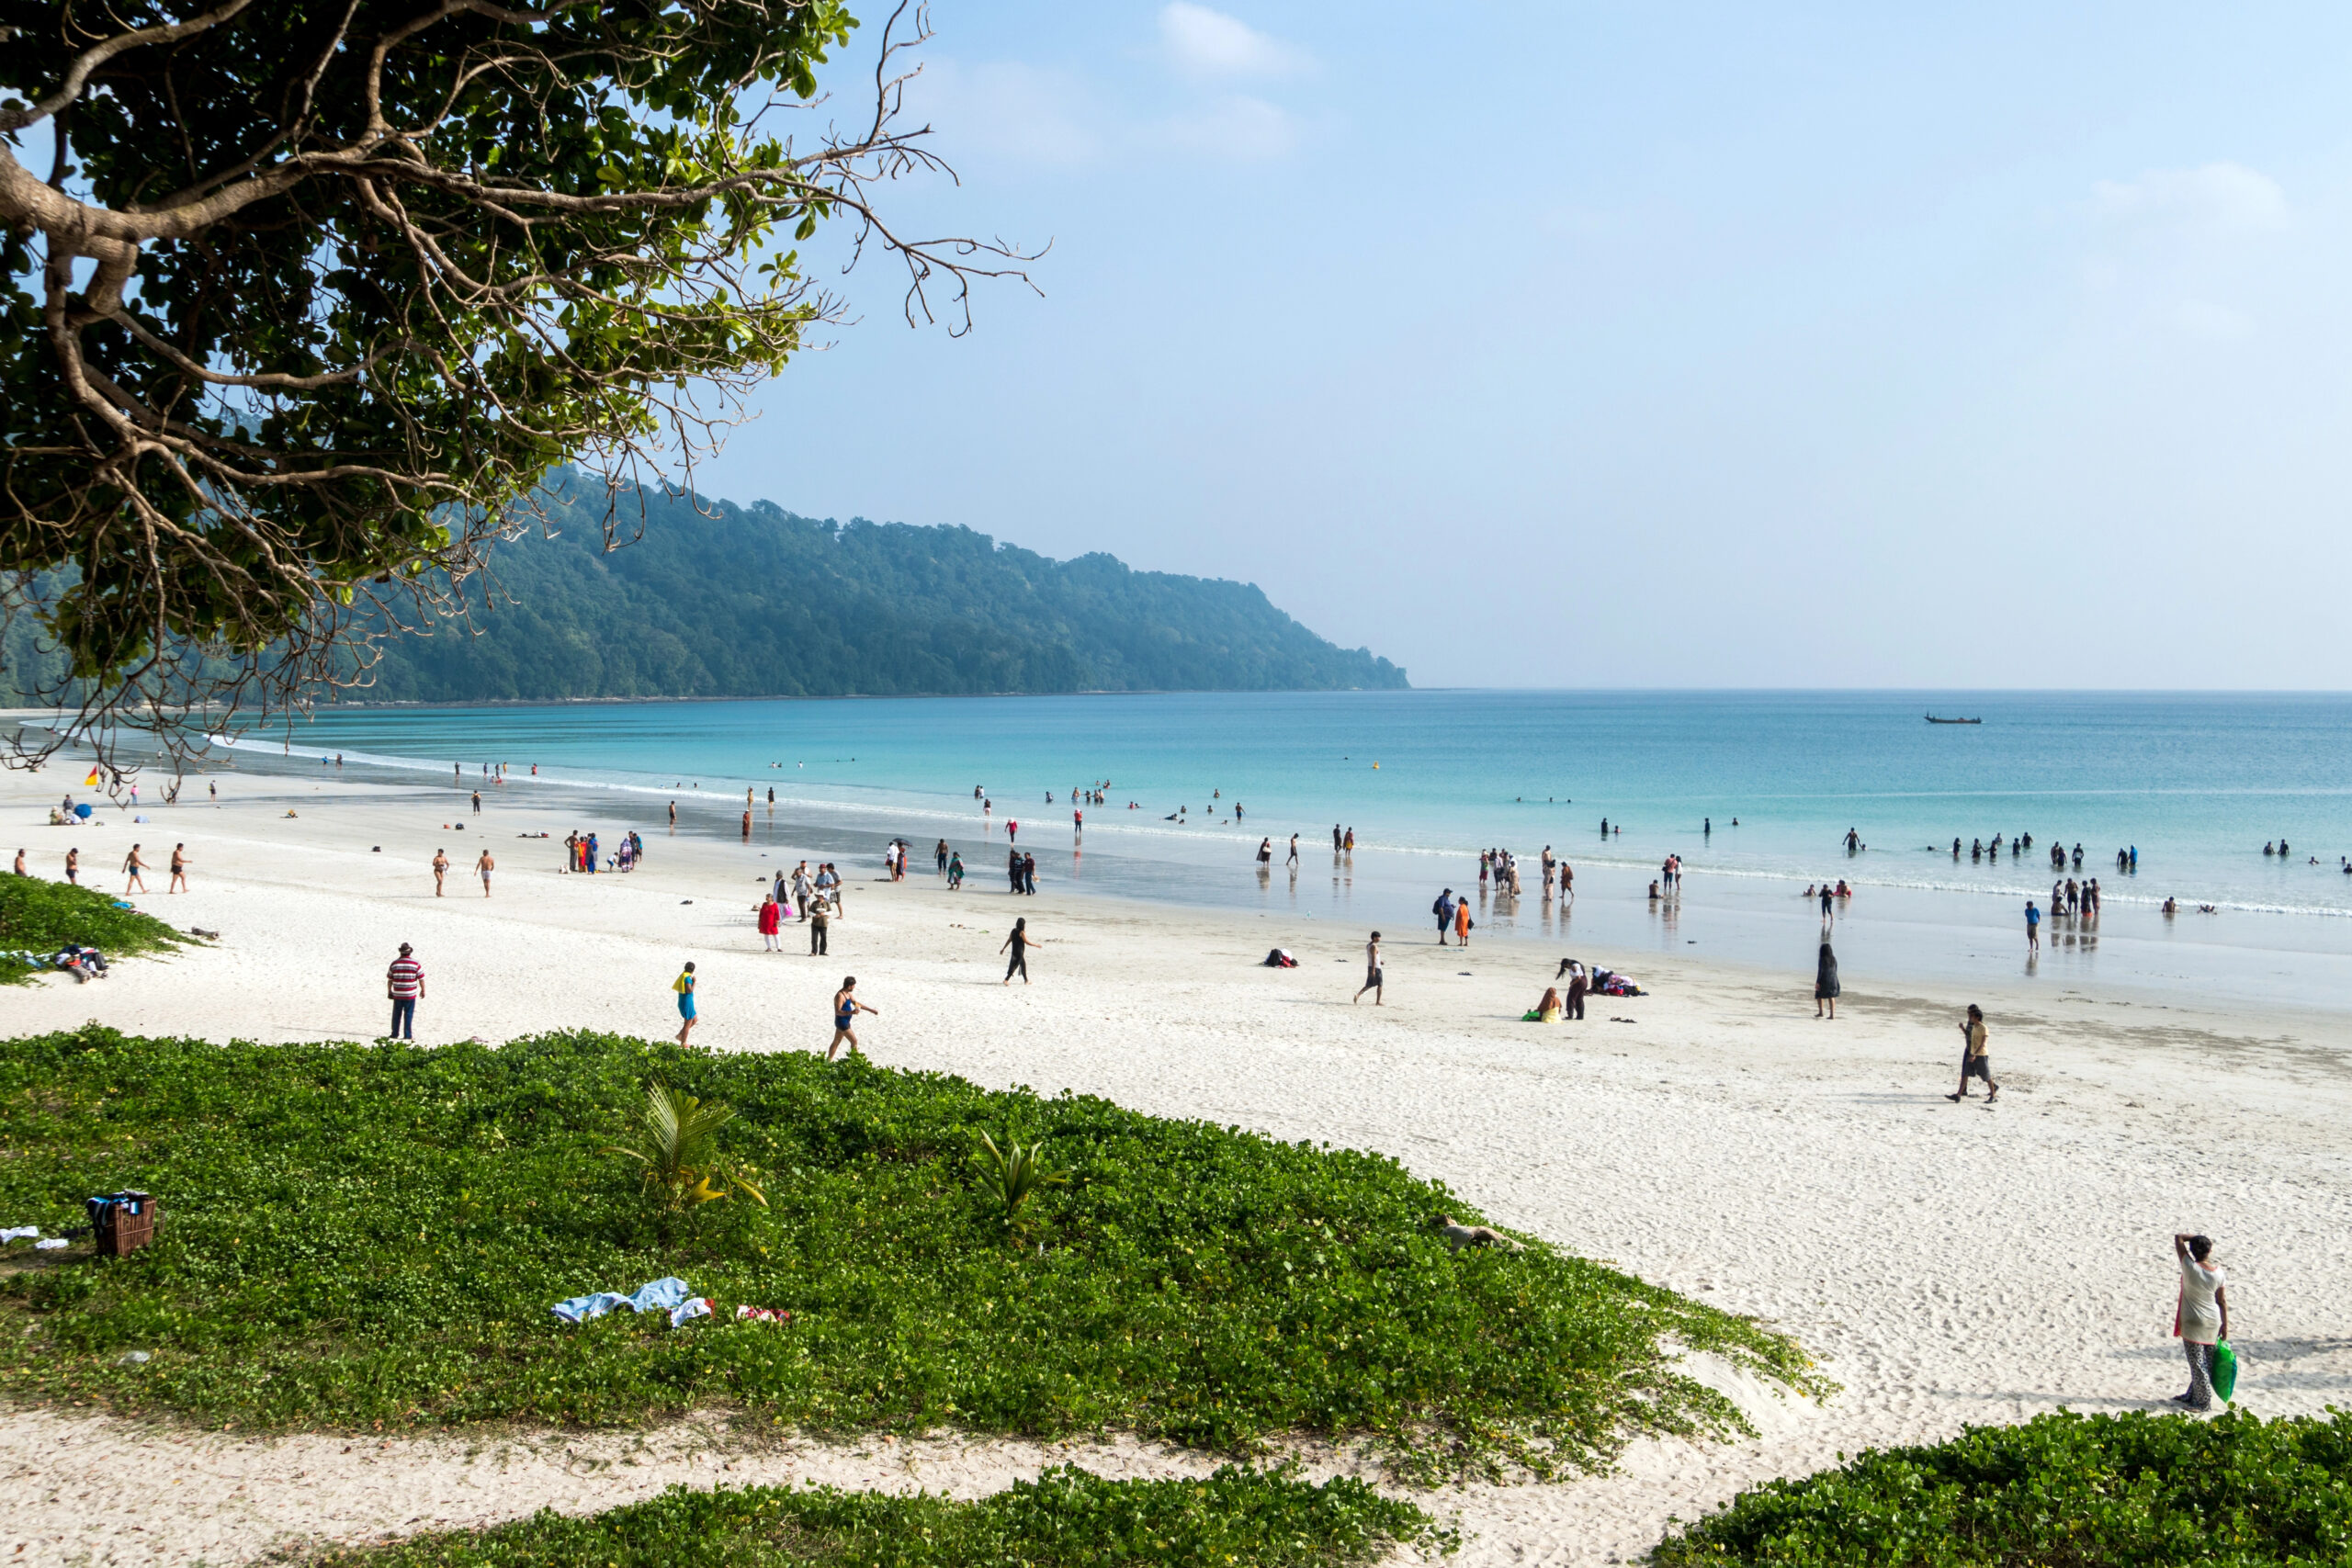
(1933, 719)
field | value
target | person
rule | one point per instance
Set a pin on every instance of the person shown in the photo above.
(73, 866)
(1548, 1010)
(131, 866)
(747, 821)
(2203, 1319)
(1029, 874)
(1012, 828)
(1444, 910)
(820, 911)
(846, 1006)
(673, 812)
(404, 984)
(20, 865)
(1012, 870)
(1293, 862)
(955, 871)
(483, 867)
(1020, 941)
(941, 857)
(1580, 983)
(1372, 972)
(2033, 926)
(1828, 909)
(684, 986)
(770, 922)
(1974, 1060)
(1825, 984)
(1265, 853)
(1335, 838)
(477, 803)
(1568, 882)
(1349, 842)
(440, 870)
(1462, 924)
(212, 787)
(178, 882)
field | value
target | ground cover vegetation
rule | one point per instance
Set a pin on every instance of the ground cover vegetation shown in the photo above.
(1065, 1518)
(2129, 1491)
(38, 916)
(371, 1237)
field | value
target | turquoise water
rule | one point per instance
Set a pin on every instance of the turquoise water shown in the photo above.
(2197, 782)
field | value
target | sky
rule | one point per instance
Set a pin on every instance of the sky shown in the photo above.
(1584, 344)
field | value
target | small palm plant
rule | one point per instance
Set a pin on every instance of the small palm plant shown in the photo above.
(1010, 1175)
(680, 1153)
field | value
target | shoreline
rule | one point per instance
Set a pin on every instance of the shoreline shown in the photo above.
(1945, 1264)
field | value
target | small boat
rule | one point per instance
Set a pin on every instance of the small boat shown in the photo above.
(1933, 719)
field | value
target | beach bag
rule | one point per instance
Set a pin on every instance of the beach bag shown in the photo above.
(2225, 1371)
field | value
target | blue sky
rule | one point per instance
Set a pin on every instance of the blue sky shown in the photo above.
(1615, 344)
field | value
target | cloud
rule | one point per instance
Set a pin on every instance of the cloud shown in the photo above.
(1243, 129)
(1210, 43)
(2210, 197)
(1013, 110)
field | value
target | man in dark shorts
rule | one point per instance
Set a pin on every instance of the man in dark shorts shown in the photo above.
(1976, 1061)
(1372, 971)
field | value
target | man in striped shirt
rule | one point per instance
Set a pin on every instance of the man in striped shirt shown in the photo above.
(404, 983)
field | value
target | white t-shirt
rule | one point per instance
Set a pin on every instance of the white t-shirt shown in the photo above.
(2200, 1315)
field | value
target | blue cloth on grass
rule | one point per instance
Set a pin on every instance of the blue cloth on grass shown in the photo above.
(659, 1295)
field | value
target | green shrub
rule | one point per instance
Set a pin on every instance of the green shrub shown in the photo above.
(1065, 1518)
(2132, 1491)
(365, 1237)
(38, 916)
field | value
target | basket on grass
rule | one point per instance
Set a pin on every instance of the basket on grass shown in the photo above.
(121, 1223)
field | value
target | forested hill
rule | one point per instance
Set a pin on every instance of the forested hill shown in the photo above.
(755, 602)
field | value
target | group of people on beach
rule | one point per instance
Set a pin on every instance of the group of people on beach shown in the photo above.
(583, 855)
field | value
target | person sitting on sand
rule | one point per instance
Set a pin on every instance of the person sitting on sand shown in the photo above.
(1548, 1010)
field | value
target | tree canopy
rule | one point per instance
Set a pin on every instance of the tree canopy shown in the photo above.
(311, 296)
(725, 600)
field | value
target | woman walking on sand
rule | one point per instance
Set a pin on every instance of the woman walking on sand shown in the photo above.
(2202, 1319)
(684, 986)
(1020, 941)
(1825, 984)
(846, 1006)
(770, 922)
(440, 870)
(1462, 924)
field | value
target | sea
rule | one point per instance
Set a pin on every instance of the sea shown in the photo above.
(1755, 792)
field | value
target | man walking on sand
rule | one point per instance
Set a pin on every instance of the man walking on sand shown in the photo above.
(1371, 975)
(131, 866)
(484, 865)
(179, 868)
(1444, 910)
(404, 984)
(1974, 1060)
(440, 870)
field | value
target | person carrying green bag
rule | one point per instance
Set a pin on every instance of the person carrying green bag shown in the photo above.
(2202, 1323)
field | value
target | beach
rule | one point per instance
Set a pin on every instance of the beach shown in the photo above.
(1945, 1264)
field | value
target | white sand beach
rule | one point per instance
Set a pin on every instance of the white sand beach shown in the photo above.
(1946, 1263)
